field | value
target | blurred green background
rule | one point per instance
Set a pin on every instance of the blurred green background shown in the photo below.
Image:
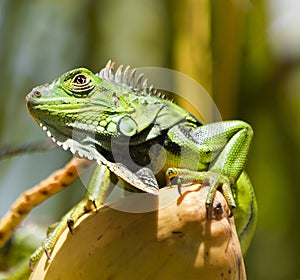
(245, 53)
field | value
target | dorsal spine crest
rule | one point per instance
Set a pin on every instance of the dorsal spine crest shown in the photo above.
(127, 77)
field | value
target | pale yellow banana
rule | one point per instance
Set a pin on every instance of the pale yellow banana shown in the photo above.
(178, 241)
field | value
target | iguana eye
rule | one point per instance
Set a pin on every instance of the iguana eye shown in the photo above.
(81, 85)
(78, 83)
(80, 79)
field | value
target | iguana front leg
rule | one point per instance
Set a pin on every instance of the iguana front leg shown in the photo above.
(99, 188)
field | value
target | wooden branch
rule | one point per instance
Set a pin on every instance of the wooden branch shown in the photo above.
(26, 148)
(56, 182)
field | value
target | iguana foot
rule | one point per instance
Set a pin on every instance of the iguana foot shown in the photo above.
(98, 190)
(212, 178)
(54, 231)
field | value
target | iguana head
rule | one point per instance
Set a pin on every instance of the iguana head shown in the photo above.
(83, 106)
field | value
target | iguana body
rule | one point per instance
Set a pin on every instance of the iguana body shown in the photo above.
(123, 124)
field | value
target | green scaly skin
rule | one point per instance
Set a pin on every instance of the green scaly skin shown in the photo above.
(137, 135)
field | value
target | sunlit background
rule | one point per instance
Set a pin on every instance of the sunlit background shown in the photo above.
(245, 53)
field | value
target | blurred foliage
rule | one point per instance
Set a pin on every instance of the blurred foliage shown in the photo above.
(14, 264)
(246, 54)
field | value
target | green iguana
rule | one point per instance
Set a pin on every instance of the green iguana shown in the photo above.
(144, 139)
